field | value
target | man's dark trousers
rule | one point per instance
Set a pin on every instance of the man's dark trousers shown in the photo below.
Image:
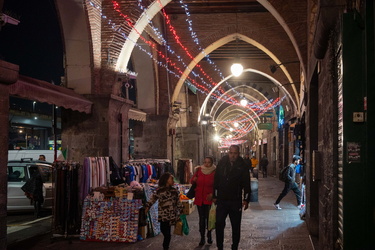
(233, 208)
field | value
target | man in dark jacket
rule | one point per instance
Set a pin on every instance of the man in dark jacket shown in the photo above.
(263, 165)
(231, 177)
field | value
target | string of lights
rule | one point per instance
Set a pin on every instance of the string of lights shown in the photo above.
(168, 60)
(257, 107)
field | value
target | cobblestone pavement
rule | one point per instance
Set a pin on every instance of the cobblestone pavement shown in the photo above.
(263, 227)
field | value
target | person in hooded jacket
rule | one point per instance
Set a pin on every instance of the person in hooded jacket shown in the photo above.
(204, 179)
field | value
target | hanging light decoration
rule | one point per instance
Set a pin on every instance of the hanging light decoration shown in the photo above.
(236, 69)
(243, 102)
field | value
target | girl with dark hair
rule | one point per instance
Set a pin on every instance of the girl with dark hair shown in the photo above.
(170, 206)
(204, 178)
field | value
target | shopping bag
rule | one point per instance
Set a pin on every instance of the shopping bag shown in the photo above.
(191, 193)
(178, 228)
(185, 225)
(212, 217)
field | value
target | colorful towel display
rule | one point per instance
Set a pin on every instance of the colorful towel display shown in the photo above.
(115, 220)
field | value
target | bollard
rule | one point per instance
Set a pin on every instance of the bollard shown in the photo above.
(254, 190)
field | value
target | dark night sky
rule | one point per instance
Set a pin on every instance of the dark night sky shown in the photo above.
(35, 43)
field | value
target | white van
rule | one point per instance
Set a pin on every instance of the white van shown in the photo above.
(19, 171)
(34, 154)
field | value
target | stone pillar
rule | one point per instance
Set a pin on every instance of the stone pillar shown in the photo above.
(8, 75)
(153, 142)
(104, 132)
(189, 144)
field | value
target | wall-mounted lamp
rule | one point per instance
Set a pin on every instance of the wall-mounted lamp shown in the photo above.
(274, 67)
(176, 104)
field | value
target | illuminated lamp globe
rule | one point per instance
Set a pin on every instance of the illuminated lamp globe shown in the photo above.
(243, 102)
(236, 69)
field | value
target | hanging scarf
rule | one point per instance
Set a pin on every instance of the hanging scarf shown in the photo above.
(208, 170)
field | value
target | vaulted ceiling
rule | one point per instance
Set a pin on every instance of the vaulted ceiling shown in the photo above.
(270, 40)
(198, 40)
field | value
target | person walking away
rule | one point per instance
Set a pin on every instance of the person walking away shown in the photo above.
(232, 178)
(204, 179)
(248, 162)
(170, 206)
(290, 184)
(263, 165)
(33, 189)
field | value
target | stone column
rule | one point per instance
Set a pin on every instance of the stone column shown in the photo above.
(8, 75)
(99, 133)
(153, 142)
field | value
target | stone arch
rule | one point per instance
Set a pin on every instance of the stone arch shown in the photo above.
(78, 45)
(133, 36)
(277, 83)
(279, 17)
(221, 42)
(156, 6)
(212, 112)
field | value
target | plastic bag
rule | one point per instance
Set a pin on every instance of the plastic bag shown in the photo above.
(185, 225)
(212, 217)
(178, 228)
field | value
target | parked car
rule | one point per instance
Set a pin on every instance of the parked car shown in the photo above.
(19, 171)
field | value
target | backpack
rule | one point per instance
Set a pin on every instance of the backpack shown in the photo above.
(283, 174)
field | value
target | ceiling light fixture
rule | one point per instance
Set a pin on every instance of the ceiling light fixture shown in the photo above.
(236, 69)
(243, 102)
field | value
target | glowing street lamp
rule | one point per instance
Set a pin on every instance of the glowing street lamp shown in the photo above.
(236, 69)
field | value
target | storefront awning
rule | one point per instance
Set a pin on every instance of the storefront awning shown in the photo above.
(136, 114)
(41, 91)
